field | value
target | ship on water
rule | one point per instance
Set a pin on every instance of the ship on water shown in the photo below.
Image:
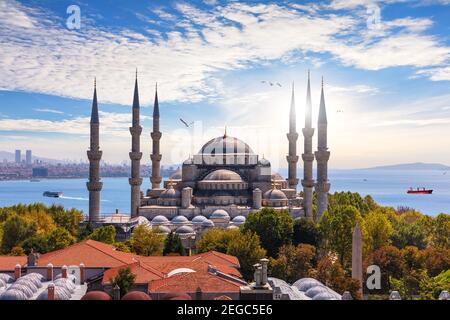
(53, 194)
(419, 191)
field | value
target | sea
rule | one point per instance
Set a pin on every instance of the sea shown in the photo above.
(387, 187)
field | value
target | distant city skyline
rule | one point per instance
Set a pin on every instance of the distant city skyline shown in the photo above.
(386, 76)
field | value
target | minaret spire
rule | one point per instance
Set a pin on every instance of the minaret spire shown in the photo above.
(135, 154)
(292, 136)
(308, 156)
(94, 185)
(322, 157)
(156, 137)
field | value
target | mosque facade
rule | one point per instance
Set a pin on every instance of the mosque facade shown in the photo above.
(223, 183)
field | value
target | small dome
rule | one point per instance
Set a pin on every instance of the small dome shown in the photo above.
(28, 283)
(96, 295)
(6, 277)
(176, 176)
(316, 290)
(13, 294)
(162, 229)
(264, 162)
(238, 220)
(136, 295)
(306, 283)
(207, 224)
(184, 230)
(223, 175)
(22, 287)
(60, 294)
(275, 194)
(65, 283)
(326, 296)
(220, 214)
(160, 220)
(170, 193)
(199, 219)
(180, 220)
(2, 283)
(175, 296)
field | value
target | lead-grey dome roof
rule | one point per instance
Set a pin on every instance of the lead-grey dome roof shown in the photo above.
(223, 175)
(180, 220)
(160, 220)
(326, 296)
(306, 283)
(162, 229)
(170, 193)
(225, 145)
(199, 219)
(274, 194)
(13, 294)
(184, 230)
(207, 224)
(239, 220)
(311, 292)
(219, 214)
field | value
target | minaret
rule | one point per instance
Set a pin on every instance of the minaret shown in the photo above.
(135, 155)
(322, 157)
(292, 136)
(308, 156)
(94, 185)
(156, 136)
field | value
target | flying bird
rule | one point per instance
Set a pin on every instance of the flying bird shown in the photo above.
(278, 84)
(186, 124)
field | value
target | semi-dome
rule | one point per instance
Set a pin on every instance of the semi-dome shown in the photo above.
(180, 220)
(162, 229)
(223, 175)
(207, 224)
(274, 194)
(219, 214)
(199, 219)
(238, 220)
(225, 145)
(136, 295)
(184, 230)
(158, 220)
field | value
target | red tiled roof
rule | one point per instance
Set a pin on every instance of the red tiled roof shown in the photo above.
(144, 273)
(220, 257)
(9, 262)
(190, 282)
(92, 253)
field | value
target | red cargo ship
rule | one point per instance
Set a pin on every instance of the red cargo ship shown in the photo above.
(419, 191)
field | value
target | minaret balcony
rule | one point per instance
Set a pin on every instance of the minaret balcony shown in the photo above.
(135, 156)
(94, 155)
(94, 185)
(292, 158)
(322, 155)
(155, 157)
(292, 136)
(135, 181)
(308, 132)
(156, 135)
(308, 183)
(308, 157)
(322, 186)
(136, 130)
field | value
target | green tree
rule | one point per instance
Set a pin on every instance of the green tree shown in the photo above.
(17, 251)
(363, 205)
(378, 230)
(408, 233)
(124, 279)
(305, 231)
(15, 230)
(274, 228)
(85, 231)
(293, 262)
(173, 245)
(336, 231)
(246, 247)
(216, 240)
(147, 242)
(431, 287)
(436, 260)
(390, 261)
(104, 234)
(37, 243)
(60, 238)
(67, 219)
(441, 231)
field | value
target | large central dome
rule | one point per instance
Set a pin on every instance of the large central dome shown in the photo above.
(226, 145)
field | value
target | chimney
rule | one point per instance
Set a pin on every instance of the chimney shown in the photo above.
(17, 271)
(64, 271)
(51, 292)
(347, 296)
(49, 272)
(444, 295)
(198, 294)
(31, 259)
(258, 275)
(116, 292)
(395, 296)
(82, 273)
(264, 264)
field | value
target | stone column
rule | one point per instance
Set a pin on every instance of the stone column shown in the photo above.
(257, 198)
(292, 136)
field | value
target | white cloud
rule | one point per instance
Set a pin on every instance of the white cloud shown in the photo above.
(48, 110)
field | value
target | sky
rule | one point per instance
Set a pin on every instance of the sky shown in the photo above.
(386, 69)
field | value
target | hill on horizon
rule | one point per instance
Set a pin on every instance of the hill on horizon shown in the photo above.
(413, 166)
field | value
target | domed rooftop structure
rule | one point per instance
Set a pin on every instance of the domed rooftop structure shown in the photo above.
(184, 230)
(180, 220)
(60, 294)
(96, 295)
(175, 296)
(177, 175)
(264, 162)
(160, 220)
(219, 214)
(207, 224)
(198, 220)
(306, 283)
(13, 294)
(6, 277)
(238, 220)
(225, 145)
(162, 229)
(274, 194)
(326, 296)
(316, 290)
(170, 193)
(136, 295)
(223, 175)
